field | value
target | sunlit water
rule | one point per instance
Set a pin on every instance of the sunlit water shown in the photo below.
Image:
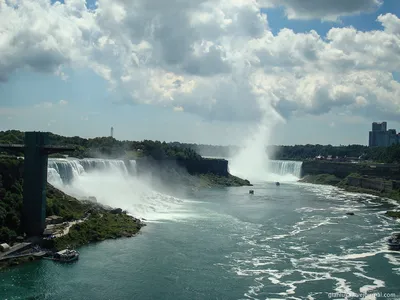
(294, 241)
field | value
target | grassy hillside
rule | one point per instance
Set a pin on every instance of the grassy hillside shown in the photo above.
(103, 222)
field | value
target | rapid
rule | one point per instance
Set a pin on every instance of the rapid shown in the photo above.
(294, 241)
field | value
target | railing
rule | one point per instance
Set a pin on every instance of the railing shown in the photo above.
(43, 147)
(46, 148)
(12, 146)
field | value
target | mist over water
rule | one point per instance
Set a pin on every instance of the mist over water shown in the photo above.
(113, 185)
(252, 161)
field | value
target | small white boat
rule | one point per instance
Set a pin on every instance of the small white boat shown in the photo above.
(394, 241)
(66, 255)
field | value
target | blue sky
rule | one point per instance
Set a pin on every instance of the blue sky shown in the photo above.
(363, 21)
(90, 106)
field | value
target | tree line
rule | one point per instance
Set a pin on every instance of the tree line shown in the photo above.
(112, 148)
(105, 147)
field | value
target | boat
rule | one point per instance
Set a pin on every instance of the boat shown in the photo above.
(251, 192)
(277, 183)
(66, 255)
(394, 241)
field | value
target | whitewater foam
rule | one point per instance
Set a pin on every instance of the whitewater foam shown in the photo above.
(113, 183)
(284, 262)
(271, 171)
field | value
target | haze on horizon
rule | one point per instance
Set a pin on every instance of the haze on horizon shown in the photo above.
(201, 71)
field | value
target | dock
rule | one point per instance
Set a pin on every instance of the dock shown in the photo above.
(22, 250)
(15, 248)
(39, 254)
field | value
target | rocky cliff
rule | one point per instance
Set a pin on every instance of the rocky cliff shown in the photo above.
(193, 167)
(377, 184)
(188, 172)
(342, 170)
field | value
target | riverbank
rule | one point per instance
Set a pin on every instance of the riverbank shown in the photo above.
(100, 225)
(91, 221)
(356, 183)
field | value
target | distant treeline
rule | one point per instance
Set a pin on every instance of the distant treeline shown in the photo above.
(304, 152)
(110, 147)
(105, 147)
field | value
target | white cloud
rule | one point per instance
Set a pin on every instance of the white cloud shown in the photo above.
(6, 111)
(93, 113)
(51, 123)
(49, 105)
(215, 58)
(61, 74)
(178, 108)
(322, 9)
(41, 36)
(44, 105)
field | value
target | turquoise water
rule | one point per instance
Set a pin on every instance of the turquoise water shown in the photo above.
(289, 242)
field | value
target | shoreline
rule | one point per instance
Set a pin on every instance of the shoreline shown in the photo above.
(347, 184)
(73, 223)
(123, 225)
(70, 223)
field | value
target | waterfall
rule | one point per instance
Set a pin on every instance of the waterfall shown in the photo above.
(64, 171)
(114, 183)
(285, 167)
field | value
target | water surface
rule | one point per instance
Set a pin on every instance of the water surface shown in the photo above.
(294, 241)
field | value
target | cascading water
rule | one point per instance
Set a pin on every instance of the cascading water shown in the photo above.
(65, 170)
(285, 168)
(113, 183)
(272, 170)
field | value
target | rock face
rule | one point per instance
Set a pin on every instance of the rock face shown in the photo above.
(376, 184)
(192, 166)
(342, 170)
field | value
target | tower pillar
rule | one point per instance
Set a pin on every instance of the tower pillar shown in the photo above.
(35, 181)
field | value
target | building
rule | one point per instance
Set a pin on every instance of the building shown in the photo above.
(381, 137)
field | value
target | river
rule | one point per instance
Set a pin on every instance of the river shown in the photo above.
(292, 241)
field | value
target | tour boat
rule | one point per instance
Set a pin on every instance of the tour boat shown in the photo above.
(66, 255)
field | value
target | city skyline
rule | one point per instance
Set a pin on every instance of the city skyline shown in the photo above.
(201, 73)
(380, 136)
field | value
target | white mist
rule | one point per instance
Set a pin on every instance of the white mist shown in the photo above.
(114, 187)
(252, 161)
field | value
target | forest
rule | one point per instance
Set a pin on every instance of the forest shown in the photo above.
(112, 148)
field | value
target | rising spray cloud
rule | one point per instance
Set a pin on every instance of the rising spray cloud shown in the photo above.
(252, 161)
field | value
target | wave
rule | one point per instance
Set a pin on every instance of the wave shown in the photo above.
(320, 246)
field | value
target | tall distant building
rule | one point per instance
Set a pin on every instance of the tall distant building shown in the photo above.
(112, 131)
(381, 137)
